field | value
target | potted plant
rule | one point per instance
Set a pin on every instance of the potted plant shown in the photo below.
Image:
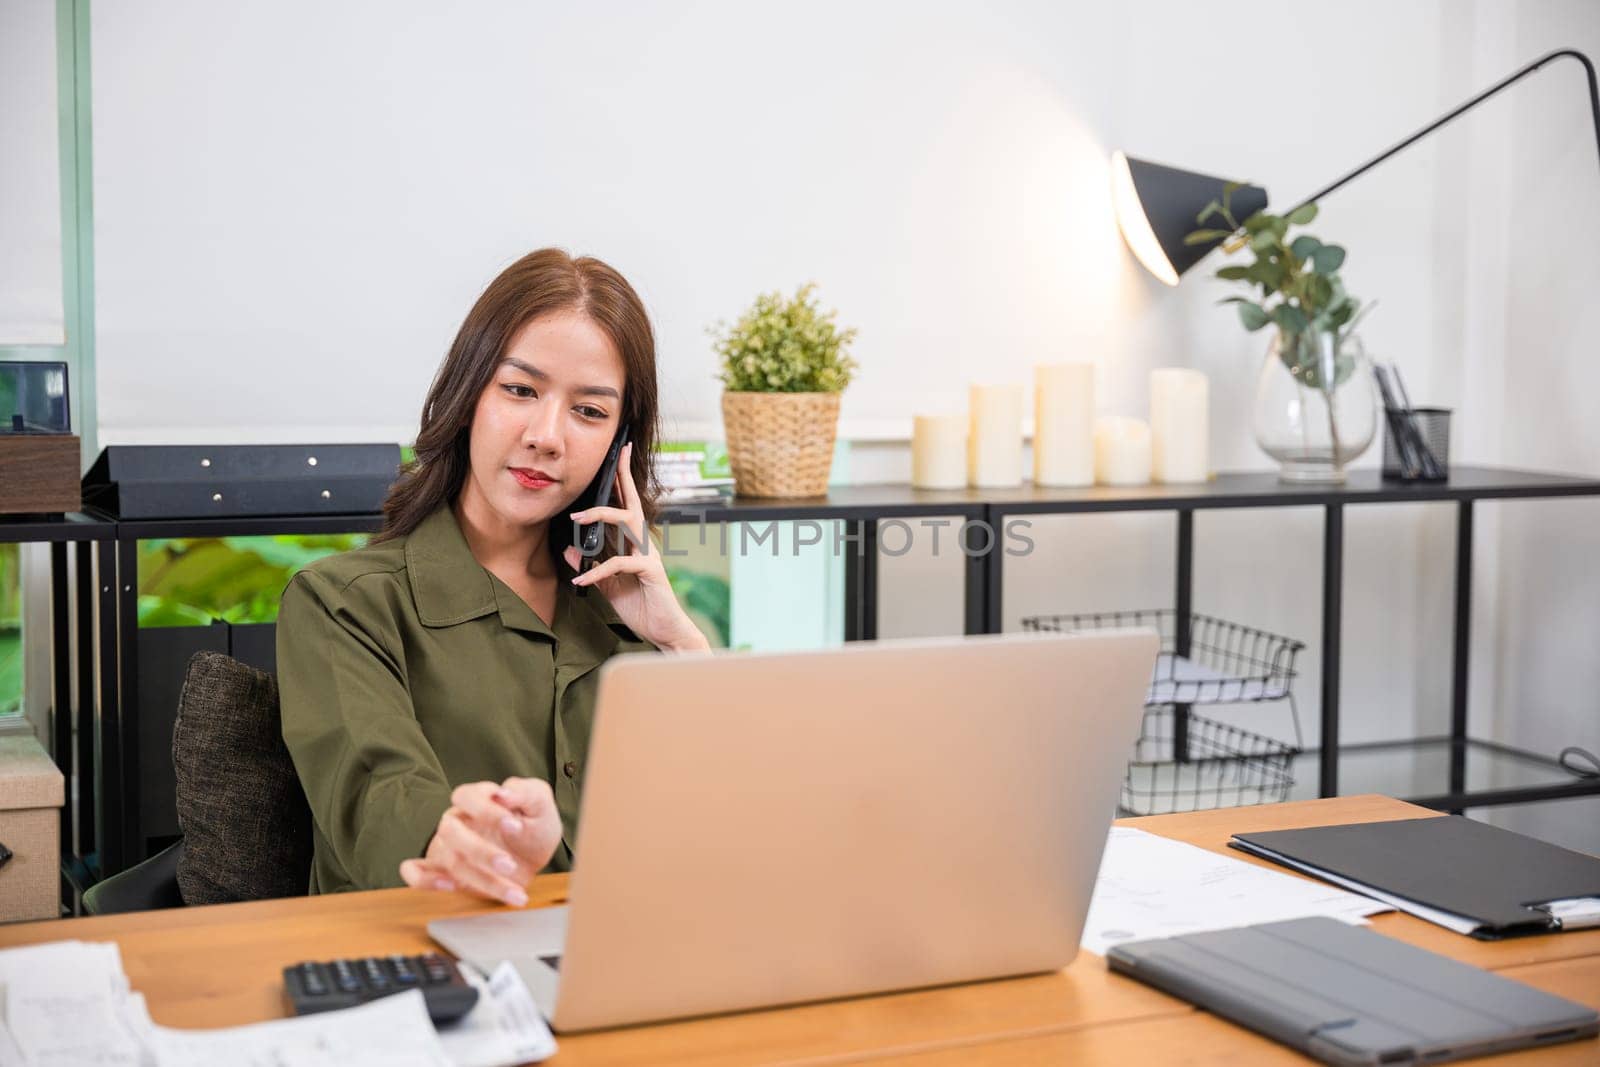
(1316, 408)
(784, 364)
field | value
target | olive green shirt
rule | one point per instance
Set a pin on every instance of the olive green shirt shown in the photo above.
(406, 669)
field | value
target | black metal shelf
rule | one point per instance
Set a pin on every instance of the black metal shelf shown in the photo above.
(55, 529)
(1465, 487)
(1263, 490)
(1418, 770)
(1229, 489)
(249, 526)
(863, 508)
(91, 534)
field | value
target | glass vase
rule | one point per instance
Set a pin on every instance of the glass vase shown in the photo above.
(1316, 405)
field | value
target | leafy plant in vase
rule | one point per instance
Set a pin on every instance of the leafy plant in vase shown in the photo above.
(1316, 409)
(784, 365)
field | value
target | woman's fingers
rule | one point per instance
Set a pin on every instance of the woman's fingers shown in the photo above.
(476, 799)
(421, 874)
(530, 824)
(531, 797)
(639, 565)
(464, 850)
(492, 841)
(615, 516)
(479, 865)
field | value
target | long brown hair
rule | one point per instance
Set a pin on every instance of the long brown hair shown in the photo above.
(539, 283)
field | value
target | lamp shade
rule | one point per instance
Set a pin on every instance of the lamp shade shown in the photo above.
(1156, 207)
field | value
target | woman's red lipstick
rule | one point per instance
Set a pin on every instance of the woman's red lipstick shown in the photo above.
(531, 479)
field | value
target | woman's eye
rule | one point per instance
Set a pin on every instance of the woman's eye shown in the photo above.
(591, 413)
(521, 392)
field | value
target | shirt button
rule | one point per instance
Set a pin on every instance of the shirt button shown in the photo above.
(569, 769)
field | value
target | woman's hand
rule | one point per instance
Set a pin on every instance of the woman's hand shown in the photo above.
(635, 582)
(491, 841)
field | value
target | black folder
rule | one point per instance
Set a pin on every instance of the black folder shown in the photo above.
(1467, 876)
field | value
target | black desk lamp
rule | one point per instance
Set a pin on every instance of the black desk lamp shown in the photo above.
(1156, 205)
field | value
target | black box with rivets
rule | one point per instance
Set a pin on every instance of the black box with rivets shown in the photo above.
(214, 481)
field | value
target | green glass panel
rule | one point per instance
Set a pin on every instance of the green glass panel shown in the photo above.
(10, 630)
(191, 581)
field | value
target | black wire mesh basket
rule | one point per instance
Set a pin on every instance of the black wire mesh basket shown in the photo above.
(1227, 663)
(1223, 765)
(1227, 767)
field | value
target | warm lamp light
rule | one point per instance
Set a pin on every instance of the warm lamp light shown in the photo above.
(1156, 207)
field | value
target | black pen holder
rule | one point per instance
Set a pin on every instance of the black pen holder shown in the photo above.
(1433, 429)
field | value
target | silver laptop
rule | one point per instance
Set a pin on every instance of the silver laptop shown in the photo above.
(769, 828)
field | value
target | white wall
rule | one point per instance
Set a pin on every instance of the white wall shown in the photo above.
(1546, 583)
(306, 197)
(296, 202)
(30, 176)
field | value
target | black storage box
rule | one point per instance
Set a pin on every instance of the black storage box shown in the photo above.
(213, 481)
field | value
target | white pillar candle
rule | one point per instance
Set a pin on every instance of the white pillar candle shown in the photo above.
(939, 452)
(1063, 424)
(994, 436)
(1179, 425)
(1121, 451)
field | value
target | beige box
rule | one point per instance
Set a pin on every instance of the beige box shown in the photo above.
(31, 791)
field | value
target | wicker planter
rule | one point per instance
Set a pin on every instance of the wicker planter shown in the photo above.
(780, 444)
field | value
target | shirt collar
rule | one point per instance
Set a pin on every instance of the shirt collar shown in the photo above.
(450, 586)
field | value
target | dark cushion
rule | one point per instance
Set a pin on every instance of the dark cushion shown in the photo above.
(246, 826)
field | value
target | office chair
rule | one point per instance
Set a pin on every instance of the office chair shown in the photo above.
(246, 825)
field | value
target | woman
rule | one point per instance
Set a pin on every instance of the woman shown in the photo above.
(438, 685)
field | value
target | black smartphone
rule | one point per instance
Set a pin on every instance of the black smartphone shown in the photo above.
(598, 495)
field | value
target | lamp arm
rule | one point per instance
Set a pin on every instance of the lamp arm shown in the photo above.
(1594, 106)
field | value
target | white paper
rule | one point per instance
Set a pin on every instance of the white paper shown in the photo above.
(1151, 886)
(393, 1031)
(10, 1054)
(57, 1026)
(503, 1027)
(1176, 674)
(69, 1004)
(63, 1005)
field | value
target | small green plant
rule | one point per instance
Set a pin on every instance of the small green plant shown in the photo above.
(785, 346)
(1301, 292)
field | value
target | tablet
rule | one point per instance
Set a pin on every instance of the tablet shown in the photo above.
(1346, 995)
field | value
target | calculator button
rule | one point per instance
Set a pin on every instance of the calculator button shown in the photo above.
(357, 981)
(345, 978)
(376, 979)
(311, 978)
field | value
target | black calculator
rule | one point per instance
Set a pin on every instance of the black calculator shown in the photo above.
(325, 986)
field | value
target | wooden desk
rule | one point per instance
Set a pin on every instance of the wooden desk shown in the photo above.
(220, 966)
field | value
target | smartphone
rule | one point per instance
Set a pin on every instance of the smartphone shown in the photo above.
(598, 495)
